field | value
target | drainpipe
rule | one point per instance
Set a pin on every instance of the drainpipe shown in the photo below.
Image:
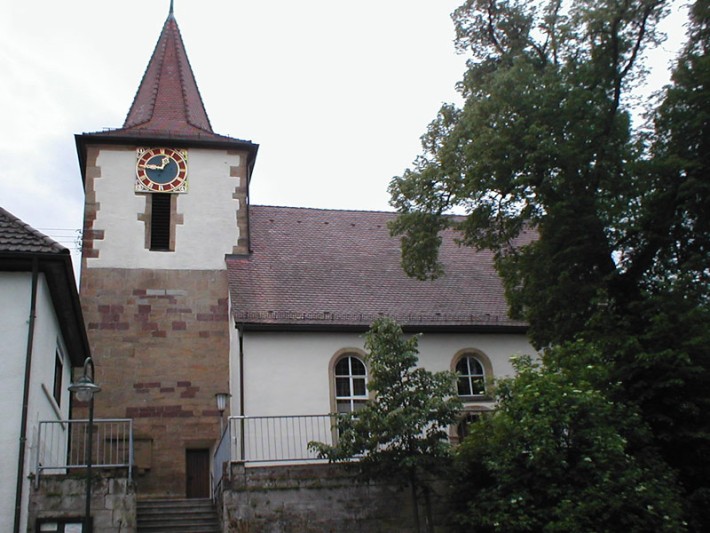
(240, 330)
(26, 395)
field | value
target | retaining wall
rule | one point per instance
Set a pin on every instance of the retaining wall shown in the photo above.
(59, 498)
(315, 499)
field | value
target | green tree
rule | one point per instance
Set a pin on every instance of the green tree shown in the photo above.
(543, 140)
(558, 456)
(620, 210)
(402, 434)
(667, 368)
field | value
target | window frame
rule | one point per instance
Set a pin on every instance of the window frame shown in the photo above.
(60, 524)
(487, 374)
(459, 430)
(58, 381)
(160, 233)
(175, 219)
(332, 379)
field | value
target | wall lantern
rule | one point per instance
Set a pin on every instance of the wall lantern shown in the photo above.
(221, 398)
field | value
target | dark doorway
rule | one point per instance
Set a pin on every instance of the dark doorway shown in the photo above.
(198, 473)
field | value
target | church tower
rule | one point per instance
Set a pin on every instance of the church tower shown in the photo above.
(166, 200)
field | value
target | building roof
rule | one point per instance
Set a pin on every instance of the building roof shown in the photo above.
(168, 97)
(167, 106)
(315, 268)
(24, 249)
(17, 236)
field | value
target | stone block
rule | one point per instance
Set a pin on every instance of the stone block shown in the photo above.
(113, 502)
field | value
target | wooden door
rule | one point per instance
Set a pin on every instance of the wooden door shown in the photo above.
(198, 473)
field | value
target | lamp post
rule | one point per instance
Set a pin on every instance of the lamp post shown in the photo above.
(84, 387)
(221, 398)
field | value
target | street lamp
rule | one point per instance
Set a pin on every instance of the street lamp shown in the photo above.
(84, 387)
(221, 398)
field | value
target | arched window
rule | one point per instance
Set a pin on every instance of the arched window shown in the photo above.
(475, 378)
(471, 369)
(462, 428)
(350, 376)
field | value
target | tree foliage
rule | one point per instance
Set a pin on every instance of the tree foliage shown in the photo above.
(558, 456)
(546, 143)
(401, 435)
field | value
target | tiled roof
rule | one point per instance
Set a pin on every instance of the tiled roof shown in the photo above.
(312, 267)
(168, 96)
(168, 102)
(18, 237)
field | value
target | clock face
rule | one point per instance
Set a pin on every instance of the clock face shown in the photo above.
(161, 170)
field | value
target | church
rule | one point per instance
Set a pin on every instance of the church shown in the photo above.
(191, 294)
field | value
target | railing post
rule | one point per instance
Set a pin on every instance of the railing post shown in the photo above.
(242, 451)
(37, 459)
(130, 451)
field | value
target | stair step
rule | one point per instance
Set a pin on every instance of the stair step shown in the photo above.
(177, 516)
(174, 510)
(176, 502)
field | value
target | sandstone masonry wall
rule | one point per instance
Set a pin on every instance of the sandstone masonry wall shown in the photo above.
(160, 342)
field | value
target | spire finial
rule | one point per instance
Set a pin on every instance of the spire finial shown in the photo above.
(171, 7)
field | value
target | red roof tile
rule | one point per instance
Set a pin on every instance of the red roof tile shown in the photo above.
(18, 236)
(167, 105)
(168, 97)
(168, 101)
(313, 267)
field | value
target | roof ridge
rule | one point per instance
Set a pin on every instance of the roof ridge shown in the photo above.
(144, 82)
(327, 209)
(189, 111)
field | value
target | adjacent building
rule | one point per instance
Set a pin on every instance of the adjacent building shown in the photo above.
(42, 337)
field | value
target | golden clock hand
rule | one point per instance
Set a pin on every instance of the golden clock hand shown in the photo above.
(163, 163)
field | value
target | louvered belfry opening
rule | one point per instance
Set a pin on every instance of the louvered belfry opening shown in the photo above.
(160, 222)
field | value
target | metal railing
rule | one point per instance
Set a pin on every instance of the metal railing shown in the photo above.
(270, 439)
(62, 445)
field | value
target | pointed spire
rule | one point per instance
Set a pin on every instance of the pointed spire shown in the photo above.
(168, 100)
(167, 106)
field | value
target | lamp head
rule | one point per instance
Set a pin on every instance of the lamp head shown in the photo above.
(222, 398)
(84, 388)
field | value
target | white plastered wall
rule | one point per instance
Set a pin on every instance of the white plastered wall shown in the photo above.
(288, 373)
(15, 294)
(209, 212)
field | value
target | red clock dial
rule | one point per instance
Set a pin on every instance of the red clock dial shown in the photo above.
(161, 170)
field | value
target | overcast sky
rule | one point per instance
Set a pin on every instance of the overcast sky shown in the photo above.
(336, 93)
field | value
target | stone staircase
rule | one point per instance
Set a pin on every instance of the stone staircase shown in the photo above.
(173, 516)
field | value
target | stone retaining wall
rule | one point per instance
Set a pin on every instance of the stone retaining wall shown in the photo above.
(314, 499)
(113, 502)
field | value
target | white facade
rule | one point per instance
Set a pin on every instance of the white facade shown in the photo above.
(289, 373)
(15, 303)
(208, 211)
